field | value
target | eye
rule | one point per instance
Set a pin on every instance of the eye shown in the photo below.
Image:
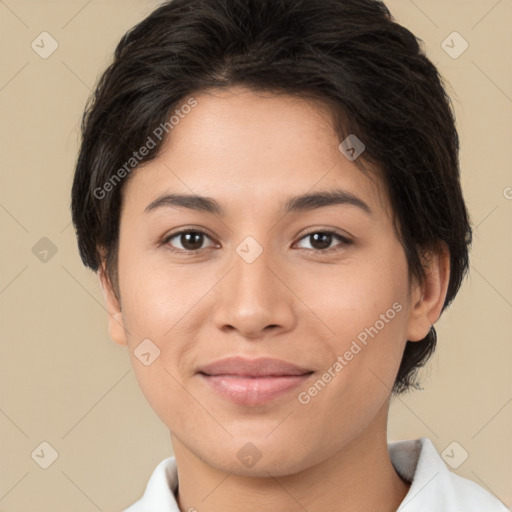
(320, 241)
(190, 240)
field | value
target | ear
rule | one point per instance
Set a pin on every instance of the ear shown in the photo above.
(115, 316)
(427, 298)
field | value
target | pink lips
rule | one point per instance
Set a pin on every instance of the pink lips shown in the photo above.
(253, 381)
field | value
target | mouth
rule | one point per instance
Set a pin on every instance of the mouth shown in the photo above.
(253, 382)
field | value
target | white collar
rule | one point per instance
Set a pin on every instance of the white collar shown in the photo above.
(434, 488)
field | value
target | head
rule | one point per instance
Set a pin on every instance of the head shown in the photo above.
(254, 105)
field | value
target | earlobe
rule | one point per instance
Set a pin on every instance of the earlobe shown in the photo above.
(428, 298)
(115, 315)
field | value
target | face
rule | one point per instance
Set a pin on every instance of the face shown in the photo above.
(253, 316)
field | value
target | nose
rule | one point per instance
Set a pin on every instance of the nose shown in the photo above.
(255, 299)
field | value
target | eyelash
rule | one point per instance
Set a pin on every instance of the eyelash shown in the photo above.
(344, 241)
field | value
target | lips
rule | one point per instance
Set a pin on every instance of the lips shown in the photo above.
(261, 367)
(252, 381)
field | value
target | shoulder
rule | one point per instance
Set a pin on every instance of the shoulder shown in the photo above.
(434, 487)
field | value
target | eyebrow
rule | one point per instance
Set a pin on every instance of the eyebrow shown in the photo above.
(304, 202)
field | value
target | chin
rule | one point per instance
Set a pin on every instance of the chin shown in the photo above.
(259, 456)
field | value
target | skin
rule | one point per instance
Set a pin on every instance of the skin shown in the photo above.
(251, 151)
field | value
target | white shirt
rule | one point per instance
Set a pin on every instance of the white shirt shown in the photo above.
(434, 488)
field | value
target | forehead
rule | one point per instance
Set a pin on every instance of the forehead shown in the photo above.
(248, 148)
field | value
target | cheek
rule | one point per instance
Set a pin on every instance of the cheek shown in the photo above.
(364, 305)
(160, 345)
(357, 294)
(156, 298)
(164, 310)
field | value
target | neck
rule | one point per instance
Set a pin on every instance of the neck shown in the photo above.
(359, 477)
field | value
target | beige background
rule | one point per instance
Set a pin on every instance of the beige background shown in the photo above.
(64, 382)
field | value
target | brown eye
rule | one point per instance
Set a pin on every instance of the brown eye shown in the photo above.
(189, 241)
(322, 241)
